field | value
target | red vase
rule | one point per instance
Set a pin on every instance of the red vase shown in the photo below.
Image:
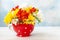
(23, 30)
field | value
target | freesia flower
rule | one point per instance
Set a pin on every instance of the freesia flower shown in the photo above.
(30, 17)
(23, 15)
(8, 18)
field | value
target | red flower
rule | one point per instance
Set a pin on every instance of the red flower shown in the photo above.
(32, 10)
(16, 7)
(13, 9)
(19, 13)
(22, 14)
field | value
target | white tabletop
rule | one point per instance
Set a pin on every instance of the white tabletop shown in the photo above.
(39, 33)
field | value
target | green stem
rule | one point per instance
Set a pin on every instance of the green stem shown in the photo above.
(36, 18)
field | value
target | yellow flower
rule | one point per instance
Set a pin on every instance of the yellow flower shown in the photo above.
(8, 17)
(30, 17)
(28, 8)
(27, 21)
(15, 12)
(33, 22)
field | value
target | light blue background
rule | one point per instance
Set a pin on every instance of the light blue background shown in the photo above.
(50, 10)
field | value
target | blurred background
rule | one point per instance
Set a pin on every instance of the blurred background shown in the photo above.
(50, 10)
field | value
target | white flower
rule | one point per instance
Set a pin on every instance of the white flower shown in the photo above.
(14, 21)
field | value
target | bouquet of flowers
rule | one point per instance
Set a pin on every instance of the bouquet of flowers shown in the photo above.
(22, 17)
